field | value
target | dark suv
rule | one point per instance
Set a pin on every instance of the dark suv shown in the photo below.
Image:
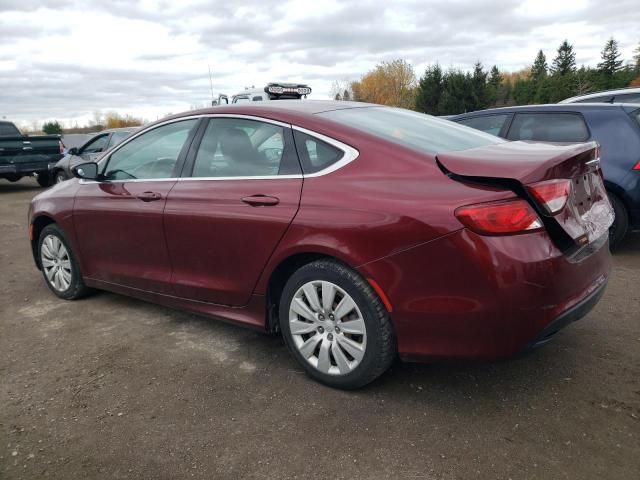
(616, 127)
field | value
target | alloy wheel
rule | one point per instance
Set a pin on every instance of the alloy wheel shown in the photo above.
(56, 263)
(327, 327)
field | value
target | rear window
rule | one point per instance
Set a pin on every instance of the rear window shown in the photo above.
(600, 99)
(489, 123)
(548, 127)
(415, 130)
(628, 98)
(8, 129)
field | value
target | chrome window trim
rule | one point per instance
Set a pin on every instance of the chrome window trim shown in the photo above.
(350, 153)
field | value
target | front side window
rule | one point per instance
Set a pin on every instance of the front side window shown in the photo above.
(152, 155)
(490, 123)
(235, 147)
(243, 99)
(548, 127)
(410, 129)
(257, 98)
(117, 137)
(96, 145)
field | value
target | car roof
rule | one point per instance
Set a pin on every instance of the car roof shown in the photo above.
(553, 107)
(601, 93)
(282, 110)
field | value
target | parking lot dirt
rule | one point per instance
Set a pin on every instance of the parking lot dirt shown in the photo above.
(112, 387)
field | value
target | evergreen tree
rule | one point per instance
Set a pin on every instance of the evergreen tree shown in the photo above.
(52, 128)
(611, 62)
(565, 61)
(430, 90)
(479, 88)
(493, 87)
(539, 68)
(636, 57)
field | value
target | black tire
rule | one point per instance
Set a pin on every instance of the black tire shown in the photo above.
(620, 226)
(380, 348)
(59, 176)
(44, 179)
(76, 288)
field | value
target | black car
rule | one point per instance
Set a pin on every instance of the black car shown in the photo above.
(616, 127)
(88, 152)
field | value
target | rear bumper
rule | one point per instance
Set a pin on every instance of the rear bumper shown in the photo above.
(25, 168)
(574, 314)
(469, 296)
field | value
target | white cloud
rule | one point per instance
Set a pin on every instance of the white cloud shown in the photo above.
(65, 59)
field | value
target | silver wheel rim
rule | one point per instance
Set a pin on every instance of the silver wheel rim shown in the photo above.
(56, 263)
(327, 327)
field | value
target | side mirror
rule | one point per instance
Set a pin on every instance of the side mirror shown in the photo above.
(86, 171)
(73, 151)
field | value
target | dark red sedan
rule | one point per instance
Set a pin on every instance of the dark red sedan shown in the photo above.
(358, 231)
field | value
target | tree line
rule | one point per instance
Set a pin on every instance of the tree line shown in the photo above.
(453, 91)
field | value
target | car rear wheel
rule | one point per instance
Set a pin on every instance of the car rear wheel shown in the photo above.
(44, 179)
(59, 266)
(620, 226)
(336, 326)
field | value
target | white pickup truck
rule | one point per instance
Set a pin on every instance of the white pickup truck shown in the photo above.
(273, 91)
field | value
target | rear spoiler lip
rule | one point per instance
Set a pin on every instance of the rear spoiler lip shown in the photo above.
(562, 240)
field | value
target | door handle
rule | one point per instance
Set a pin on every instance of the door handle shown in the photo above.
(149, 196)
(261, 200)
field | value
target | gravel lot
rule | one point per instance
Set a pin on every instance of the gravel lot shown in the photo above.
(111, 387)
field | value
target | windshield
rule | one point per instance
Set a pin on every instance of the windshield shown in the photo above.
(416, 130)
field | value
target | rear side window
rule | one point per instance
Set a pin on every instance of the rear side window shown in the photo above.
(257, 98)
(411, 129)
(548, 127)
(628, 98)
(315, 154)
(490, 123)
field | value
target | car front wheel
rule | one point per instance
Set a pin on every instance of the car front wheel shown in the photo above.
(60, 176)
(336, 326)
(59, 266)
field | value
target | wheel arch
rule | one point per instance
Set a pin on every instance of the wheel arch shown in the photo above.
(37, 225)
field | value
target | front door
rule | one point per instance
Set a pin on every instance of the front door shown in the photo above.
(225, 217)
(118, 220)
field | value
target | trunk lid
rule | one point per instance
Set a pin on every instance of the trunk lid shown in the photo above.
(519, 166)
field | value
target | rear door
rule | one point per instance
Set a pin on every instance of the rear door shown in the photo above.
(225, 216)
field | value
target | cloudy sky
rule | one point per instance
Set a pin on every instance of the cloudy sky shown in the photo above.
(67, 59)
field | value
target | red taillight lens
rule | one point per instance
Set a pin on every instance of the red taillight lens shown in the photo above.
(500, 218)
(61, 146)
(552, 194)
(637, 166)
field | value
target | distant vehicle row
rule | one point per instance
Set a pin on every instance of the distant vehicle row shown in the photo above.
(24, 155)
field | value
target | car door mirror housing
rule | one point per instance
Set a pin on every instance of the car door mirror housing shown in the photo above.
(86, 171)
(73, 151)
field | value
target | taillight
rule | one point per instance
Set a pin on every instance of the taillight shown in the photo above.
(552, 194)
(60, 146)
(637, 166)
(500, 218)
